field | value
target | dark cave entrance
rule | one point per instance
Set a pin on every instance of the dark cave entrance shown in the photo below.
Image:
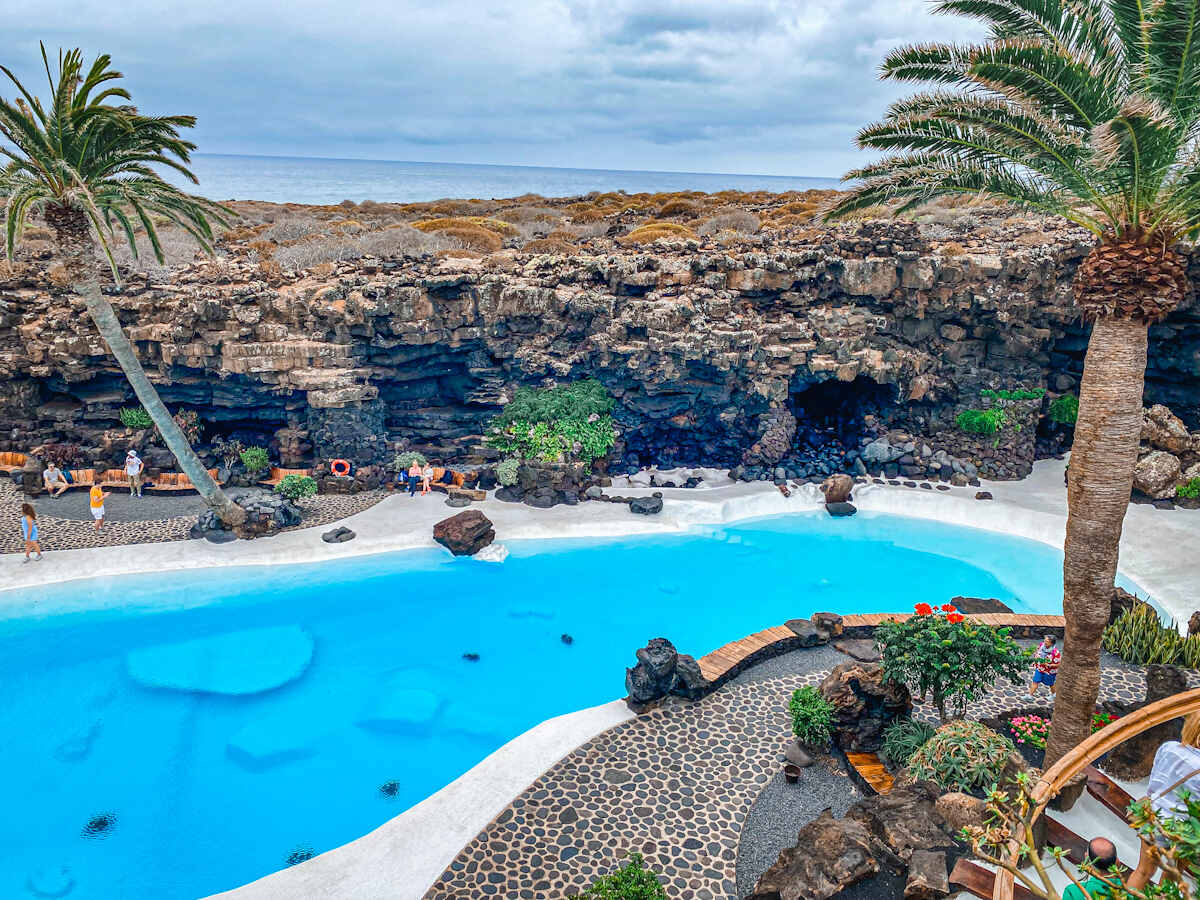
(834, 419)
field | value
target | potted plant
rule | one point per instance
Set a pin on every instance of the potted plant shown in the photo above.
(812, 720)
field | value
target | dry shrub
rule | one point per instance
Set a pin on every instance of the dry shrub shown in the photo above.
(730, 219)
(653, 231)
(684, 209)
(324, 269)
(292, 228)
(878, 211)
(458, 253)
(548, 245)
(951, 248)
(36, 233)
(348, 204)
(562, 234)
(495, 226)
(591, 214)
(58, 276)
(178, 248)
(524, 214)
(244, 233)
(351, 225)
(447, 207)
(1032, 239)
(395, 240)
(473, 237)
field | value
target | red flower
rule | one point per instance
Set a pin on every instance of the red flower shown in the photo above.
(948, 607)
(955, 617)
(923, 609)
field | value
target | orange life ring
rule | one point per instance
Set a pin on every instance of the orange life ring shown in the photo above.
(339, 467)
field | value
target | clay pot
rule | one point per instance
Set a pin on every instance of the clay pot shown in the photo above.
(791, 773)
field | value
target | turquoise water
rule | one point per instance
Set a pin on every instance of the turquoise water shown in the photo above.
(308, 180)
(208, 791)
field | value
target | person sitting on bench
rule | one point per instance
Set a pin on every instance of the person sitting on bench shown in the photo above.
(54, 480)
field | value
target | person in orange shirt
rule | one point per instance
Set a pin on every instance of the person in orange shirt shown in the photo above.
(96, 497)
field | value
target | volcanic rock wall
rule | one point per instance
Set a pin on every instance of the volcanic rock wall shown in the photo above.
(696, 344)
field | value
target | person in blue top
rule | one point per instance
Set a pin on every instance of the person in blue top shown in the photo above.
(29, 531)
(1103, 854)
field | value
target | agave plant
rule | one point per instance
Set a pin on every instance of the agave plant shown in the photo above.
(1089, 110)
(86, 163)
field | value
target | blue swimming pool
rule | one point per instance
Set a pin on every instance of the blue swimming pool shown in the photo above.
(225, 720)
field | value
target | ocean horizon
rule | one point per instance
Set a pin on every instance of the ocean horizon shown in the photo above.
(316, 180)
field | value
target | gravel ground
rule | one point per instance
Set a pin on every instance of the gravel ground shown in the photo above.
(120, 507)
(797, 662)
(782, 809)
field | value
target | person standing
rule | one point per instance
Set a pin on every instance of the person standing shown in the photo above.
(29, 531)
(96, 497)
(133, 470)
(1045, 664)
(54, 480)
(426, 478)
(414, 477)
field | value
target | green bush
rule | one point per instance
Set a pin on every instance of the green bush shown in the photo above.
(556, 424)
(981, 421)
(961, 756)
(296, 486)
(1027, 394)
(1189, 490)
(812, 717)
(1064, 409)
(255, 459)
(404, 460)
(948, 659)
(1139, 636)
(135, 417)
(905, 737)
(633, 881)
(506, 471)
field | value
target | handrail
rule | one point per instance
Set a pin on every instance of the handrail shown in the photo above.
(1084, 754)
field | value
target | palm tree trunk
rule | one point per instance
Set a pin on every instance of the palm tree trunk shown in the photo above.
(78, 251)
(1100, 478)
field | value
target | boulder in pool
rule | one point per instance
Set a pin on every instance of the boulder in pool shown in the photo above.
(406, 700)
(51, 881)
(837, 488)
(466, 533)
(236, 663)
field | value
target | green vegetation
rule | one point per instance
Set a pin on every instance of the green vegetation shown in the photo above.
(506, 471)
(961, 756)
(812, 717)
(189, 423)
(1027, 394)
(255, 459)
(1139, 636)
(556, 424)
(948, 659)
(1189, 490)
(229, 451)
(135, 417)
(296, 486)
(1064, 409)
(633, 881)
(403, 461)
(981, 421)
(905, 737)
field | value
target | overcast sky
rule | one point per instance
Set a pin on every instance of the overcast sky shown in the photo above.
(774, 87)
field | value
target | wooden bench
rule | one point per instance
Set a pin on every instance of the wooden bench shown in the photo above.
(81, 478)
(439, 482)
(276, 475)
(172, 482)
(12, 462)
(112, 478)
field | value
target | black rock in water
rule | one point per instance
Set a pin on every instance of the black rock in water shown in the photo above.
(299, 855)
(100, 825)
(389, 789)
(471, 657)
(567, 639)
(838, 510)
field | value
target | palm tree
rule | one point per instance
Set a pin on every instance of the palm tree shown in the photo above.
(1089, 110)
(86, 164)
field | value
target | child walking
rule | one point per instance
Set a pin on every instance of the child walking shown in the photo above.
(1045, 664)
(96, 497)
(29, 530)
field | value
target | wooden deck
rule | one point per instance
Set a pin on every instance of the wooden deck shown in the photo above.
(871, 769)
(975, 879)
(726, 661)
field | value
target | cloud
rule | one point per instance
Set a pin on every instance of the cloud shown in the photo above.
(771, 86)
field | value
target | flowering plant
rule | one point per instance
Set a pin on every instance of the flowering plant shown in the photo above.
(1102, 720)
(943, 657)
(1030, 731)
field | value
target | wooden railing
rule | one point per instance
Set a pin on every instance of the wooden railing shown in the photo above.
(1082, 756)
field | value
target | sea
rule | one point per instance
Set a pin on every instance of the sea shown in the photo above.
(286, 179)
